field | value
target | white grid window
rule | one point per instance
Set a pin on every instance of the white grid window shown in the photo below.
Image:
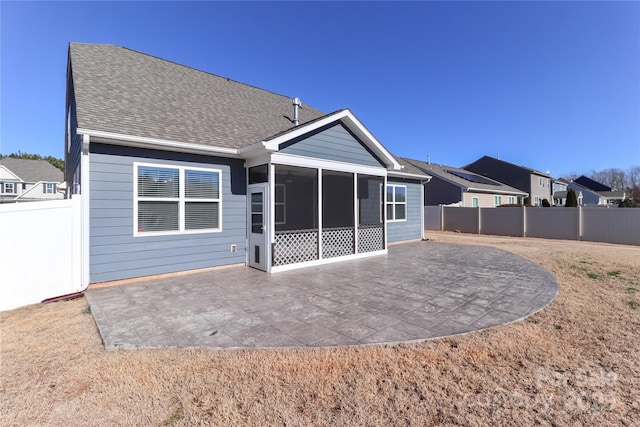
(9, 188)
(49, 188)
(396, 202)
(170, 200)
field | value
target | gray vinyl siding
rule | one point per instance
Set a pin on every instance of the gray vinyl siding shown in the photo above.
(334, 143)
(410, 229)
(116, 254)
(440, 192)
(73, 153)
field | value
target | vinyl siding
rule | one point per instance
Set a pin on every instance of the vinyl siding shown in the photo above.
(116, 254)
(74, 151)
(441, 192)
(333, 143)
(410, 229)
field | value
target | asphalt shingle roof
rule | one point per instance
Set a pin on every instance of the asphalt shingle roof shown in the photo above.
(122, 91)
(33, 170)
(444, 172)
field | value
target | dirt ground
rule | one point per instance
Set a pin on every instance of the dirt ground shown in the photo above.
(577, 362)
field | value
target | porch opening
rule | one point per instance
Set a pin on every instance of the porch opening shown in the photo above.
(321, 214)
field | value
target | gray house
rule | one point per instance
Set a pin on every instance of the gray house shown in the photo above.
(23, 180)
(535, 183)
(455, 186)
(610, 196)
(180, 169)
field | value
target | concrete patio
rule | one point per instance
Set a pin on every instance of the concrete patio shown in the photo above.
(420, 290)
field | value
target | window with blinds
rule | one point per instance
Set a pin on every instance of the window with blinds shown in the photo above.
(176, 199)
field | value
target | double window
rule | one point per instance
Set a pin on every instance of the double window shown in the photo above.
(9, 188)
(396, 202)
(170, 200)
(497, 200)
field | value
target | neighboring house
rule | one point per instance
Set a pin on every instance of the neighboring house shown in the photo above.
(585, 196)
(23, 180)
(180, 169)
(455, 186)
(536, 184)
(611, 196)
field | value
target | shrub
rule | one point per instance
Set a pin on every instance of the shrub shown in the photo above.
(572, 199)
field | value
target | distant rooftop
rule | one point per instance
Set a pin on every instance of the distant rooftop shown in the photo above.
(33, 170)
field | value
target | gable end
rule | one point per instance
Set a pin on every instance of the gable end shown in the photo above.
(332, 142)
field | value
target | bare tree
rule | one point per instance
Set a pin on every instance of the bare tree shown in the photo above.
(612, 177)
(633, 177)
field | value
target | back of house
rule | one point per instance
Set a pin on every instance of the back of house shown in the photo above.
(180, 169)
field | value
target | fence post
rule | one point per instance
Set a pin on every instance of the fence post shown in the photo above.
(579, 228)
(479, 220)
(441, 217)
(524, 221)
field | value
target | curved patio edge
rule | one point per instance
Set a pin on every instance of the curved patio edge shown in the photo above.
(419, 291)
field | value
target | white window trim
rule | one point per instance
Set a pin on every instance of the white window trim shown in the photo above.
(46, 188)
(394, 203)
(512, 200)
(181, 201)
(497, 200)
(475, 202)
(7, 185)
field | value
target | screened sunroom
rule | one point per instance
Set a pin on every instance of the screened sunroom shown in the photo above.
(317, 214)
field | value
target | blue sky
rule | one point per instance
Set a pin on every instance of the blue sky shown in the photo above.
(550, 85)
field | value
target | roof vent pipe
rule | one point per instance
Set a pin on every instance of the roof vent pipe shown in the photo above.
(296, 108)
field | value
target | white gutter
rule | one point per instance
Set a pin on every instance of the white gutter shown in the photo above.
(425, 178)
(487, 190)
(162, 144)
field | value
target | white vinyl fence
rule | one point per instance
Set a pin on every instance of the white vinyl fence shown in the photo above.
(39, 251)
(595, 224)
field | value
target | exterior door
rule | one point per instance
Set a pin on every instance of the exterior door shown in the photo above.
(258, 228)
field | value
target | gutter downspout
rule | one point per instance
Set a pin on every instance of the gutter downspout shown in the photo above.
(84, 215)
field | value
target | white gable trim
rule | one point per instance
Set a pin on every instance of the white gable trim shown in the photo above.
(352, 123)
(11, 173)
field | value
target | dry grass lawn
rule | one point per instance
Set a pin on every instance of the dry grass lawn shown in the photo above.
(577, 362)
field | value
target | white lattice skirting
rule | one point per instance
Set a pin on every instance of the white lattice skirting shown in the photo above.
(337, 242)
(292, 247)
(370, 239)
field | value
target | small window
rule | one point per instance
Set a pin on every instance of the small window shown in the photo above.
(396, 202)
(497, 200)
(176, 199)
(49, 188)
(475, 202)
(9, 188)
(512, 200)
